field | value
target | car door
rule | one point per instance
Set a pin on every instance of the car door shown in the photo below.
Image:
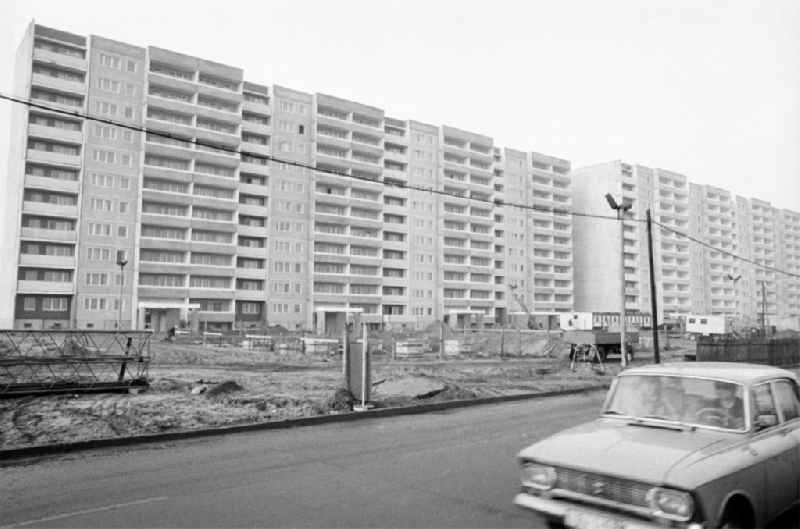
(776, 448)
(787, 399)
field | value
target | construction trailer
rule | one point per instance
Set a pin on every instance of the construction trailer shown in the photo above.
(709, 324)
(586, 321)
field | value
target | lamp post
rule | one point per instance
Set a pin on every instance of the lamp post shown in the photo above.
(122, 260)
(621, 209)
(735, 280)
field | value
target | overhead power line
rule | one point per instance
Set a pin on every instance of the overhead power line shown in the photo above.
(726, 252)
(239, 152)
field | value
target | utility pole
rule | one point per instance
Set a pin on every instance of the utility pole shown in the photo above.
(653, 303)
(122, 260)
(763, 309)
(621, 209)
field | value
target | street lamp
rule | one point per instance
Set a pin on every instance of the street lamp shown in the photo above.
(122, 260)
(621, 209)
(735, 279)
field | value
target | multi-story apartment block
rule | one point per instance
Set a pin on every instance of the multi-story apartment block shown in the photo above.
(549, 264)
(226, 223)
(788, 243)
(713, 219)
(690, 277)
(597, 241)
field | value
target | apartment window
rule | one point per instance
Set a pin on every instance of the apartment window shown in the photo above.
(159, 232)
(210, 282)
(212, 214)
(216, 170)
(251, 242)
(211, 259)
(162, 280)
(249, 284)
(253, 264)
(168, 186)
(99, 204)
(252, 179)
(156, 208)
(97, 279)
(122, 232)
(217, 237)
(55, 97)
(58, 123)
(329, 268)
(212, 305)
(99, 229)
(110, 61)
(162, 256)
(328, 288)
(214, 192)
(50, 304)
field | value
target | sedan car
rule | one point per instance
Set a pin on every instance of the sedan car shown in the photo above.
(693, 445)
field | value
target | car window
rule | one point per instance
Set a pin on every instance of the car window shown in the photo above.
(786, 398)
(762, 401)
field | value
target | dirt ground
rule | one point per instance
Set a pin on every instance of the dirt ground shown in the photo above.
(195, 387)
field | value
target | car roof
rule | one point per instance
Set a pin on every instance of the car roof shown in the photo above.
(741, 373)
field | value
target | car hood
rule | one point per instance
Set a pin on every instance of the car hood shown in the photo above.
(613, 447)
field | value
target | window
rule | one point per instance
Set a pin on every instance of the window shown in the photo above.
(97, 279)
(162, 256)
(211, 259)
(29, 304)
(122, 232)
(102, 230)
(158, 232)
(162, 280)
(787, 400)
(210, 282)
(762, 401)
(217, 237)
(54, 304)
(110, 61)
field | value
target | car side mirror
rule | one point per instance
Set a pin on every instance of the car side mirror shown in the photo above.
(766, 421)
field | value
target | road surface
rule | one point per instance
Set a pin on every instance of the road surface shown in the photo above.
(447, 469)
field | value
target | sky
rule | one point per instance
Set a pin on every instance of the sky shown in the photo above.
(709, 89)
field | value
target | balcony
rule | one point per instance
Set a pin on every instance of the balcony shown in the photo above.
(52, 184)
(48, 235)
(55, 133)
(47, 261)
(250, 295)
(44, 287)
(50, 210)
(69, 61)
(35, 155)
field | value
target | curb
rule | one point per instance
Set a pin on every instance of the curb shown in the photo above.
(61, 448)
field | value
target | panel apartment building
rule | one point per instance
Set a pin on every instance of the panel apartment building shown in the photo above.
(690, 278)
(219, 234)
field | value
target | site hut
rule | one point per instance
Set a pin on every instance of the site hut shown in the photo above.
(543, 321)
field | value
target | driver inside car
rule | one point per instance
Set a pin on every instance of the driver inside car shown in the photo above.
(729, 405)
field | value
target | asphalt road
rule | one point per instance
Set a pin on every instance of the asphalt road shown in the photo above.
(446, 469)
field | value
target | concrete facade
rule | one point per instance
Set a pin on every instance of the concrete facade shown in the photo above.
(217, 236)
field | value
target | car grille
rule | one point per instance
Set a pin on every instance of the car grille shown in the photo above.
(618, 490)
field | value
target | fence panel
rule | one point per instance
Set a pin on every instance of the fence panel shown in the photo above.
(772, 351)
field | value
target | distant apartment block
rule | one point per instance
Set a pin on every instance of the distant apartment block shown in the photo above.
(219, 235)
(690, 278)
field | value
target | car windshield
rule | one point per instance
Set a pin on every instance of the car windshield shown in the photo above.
(687, 400)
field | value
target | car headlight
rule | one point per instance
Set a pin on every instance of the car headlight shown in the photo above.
(671, 504)
(541, 477)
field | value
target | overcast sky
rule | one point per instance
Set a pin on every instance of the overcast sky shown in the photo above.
(710, 89)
